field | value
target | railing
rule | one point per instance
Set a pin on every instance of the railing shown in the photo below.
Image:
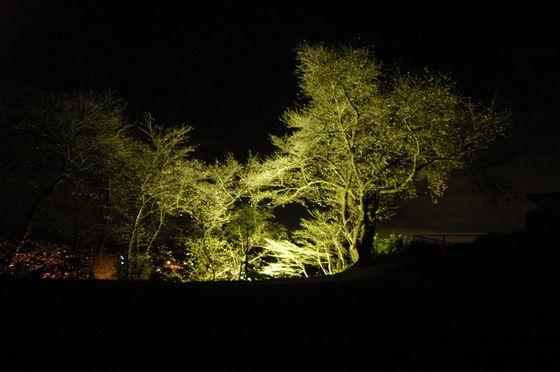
(444, 245)
(445, 239)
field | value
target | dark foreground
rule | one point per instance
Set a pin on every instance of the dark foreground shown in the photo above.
(446, 312)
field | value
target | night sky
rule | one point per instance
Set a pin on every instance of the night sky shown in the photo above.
(228, 71)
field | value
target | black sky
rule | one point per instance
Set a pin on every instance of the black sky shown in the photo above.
(228, 70)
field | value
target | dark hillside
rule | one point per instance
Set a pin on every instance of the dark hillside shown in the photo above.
(423, 311)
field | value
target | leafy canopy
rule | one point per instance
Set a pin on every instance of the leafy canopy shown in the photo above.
(363, 135)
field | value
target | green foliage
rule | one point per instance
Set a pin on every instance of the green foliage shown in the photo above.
(391, 245)
(147, 184)
(317, 248)
(363, 137)
(227, 224)
(290, 260)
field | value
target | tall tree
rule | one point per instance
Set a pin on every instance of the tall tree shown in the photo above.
(362, 136)
(54, 139)
(148, 181)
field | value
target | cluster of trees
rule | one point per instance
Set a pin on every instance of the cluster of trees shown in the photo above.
(77, 172)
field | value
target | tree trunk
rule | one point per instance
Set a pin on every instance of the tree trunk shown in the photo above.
(155, 235)
(36, 207)
(366, 239)
(132, 245)
(7, 171)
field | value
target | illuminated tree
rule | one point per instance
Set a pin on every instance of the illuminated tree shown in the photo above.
(363, 136)
(147, 183)
(228, 226)
(104, 267)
